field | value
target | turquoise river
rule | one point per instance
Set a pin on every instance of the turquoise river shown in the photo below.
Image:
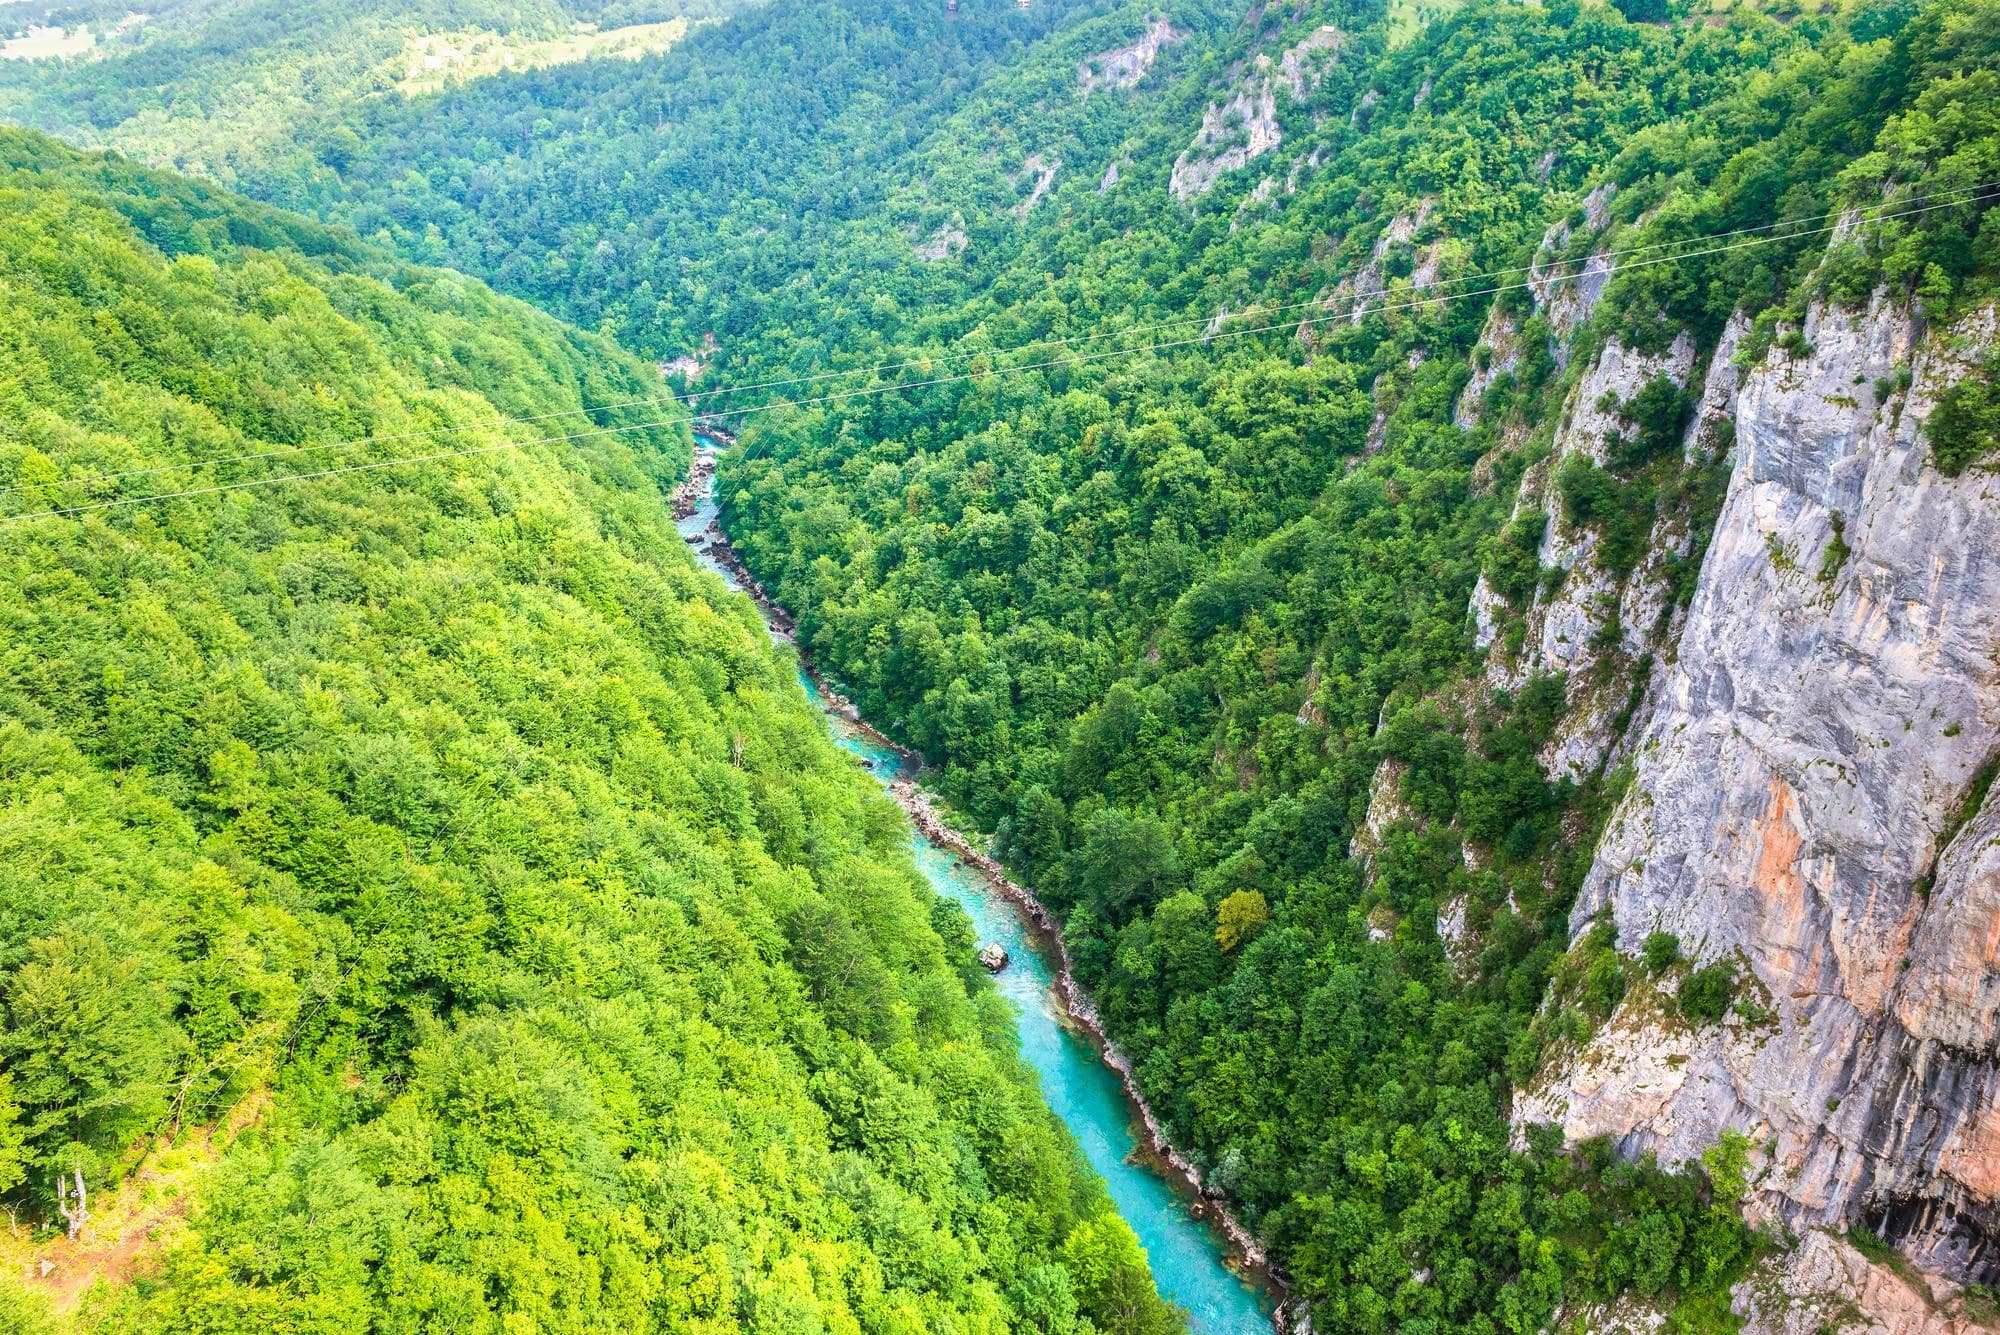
(1189, 1259)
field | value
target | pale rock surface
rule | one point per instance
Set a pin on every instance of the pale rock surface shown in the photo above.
(1562, 626)
(1568, 291)
(1502, 344)
(1304, 65)
(1300, 166)
(1043, 170)
(1232, 133)
(946, 242)
(1350, 297)
(1826, 1285)
(1244, 126)
(1386, 807)
(1260, 195)
(1124, 66)
(1821, 1287)
(1461, 943)
(1809, 745)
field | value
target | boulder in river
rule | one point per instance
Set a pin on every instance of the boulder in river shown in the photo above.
(993, 956)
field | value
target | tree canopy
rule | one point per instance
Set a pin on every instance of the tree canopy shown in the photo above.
(444, 827)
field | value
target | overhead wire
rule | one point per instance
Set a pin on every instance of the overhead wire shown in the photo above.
(1362, 306)
(1365, 304)
(1259, 309)
(694, 398)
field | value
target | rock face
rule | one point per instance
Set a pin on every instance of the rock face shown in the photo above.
(1304, 64)
(1826, 1285)
(1042, 171)
(1567, 289)
(1564, 628)
(1501, 348)
(1244, 126)
(1808, 799)
(1352, 298)
(1385, 808)
(947, 242)
(1232, 133)
(1124, 66)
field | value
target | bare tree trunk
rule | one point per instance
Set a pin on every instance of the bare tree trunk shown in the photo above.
(73, 1215)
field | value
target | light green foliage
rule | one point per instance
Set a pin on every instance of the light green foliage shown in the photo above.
(453, 805)
(13, 1137)
(1239, 917)
(220, 87)
(1160, 619)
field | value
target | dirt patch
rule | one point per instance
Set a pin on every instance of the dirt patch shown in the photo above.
(132, 1226)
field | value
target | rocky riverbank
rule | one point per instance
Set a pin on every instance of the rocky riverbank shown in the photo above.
(694, 488)
(1084, 1018)
(1208, 1203)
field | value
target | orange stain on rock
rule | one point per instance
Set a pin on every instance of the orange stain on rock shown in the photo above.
(1778, 882)
(1779, 841)
(1973, 1155)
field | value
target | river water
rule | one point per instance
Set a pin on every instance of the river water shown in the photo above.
(1190, 1261)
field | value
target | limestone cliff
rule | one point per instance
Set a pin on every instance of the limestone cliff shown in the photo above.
(1808, 800)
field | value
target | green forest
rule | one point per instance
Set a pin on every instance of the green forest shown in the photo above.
(1132, 507)
(447, 823)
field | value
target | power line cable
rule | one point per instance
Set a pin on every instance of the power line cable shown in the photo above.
(1361, 306)
(695, 398)
(1254, 309)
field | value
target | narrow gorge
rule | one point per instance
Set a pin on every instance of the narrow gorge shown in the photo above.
(1426, 576)
(1207, 1262)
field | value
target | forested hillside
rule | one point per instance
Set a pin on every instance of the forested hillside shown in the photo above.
(1191, 631)
(426, 900)
(1284, 448)
(217, 87)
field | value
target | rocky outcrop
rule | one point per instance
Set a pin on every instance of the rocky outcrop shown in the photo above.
(1232, 134)
(1826, 1285)
(1043, 172)
(1564, 631)
(1806, 799)
(1124, 66)
(1304, 65)
(946, 242)
(1353, 296)
(1823, 1286)
(690, 365)
(1498, 354)
(1566, 288)
(1244, 126)
(1386, 807)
